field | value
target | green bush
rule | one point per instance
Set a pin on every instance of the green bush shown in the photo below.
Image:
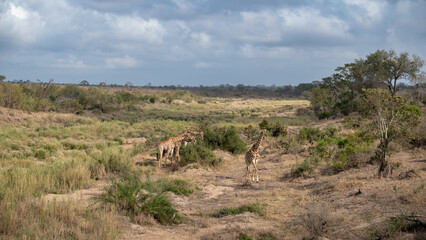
(232, 142)
(324, 115)
(130, 195)
(227, 140)
(265, 125)
(180, 187)
(311, 134)
(303, 169)
(278, 129)
(198, 153)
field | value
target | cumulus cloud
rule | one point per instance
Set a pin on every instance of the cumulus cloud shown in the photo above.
(20, 25)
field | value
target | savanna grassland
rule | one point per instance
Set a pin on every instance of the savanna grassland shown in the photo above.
(80, 164)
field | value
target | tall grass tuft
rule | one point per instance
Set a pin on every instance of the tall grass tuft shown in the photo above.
(135, 196)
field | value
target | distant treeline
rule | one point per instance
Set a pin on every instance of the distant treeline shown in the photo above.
(260, 91)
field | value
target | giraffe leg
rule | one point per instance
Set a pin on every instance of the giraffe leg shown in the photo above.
(257, 175)
(168, 154)
(159, 157)
(252, 173)
(247, 171)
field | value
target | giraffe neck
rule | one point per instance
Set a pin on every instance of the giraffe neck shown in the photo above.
(257, 144)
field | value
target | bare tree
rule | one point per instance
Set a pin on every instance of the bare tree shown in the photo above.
(392, 118)
(418, 81)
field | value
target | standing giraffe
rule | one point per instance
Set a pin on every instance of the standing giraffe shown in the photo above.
(252, 156)
(166, 148)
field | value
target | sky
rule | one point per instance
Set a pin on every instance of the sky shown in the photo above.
(200, 42)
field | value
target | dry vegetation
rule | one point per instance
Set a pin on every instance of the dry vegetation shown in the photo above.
(67, 176)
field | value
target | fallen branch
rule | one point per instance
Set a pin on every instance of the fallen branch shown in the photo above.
(412, 218)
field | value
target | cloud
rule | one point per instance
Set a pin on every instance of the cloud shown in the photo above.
(367, 12)
(70, 62)
(124, 62)
(201, 39)
(308, 24)
(20, 26)
(135, 28)
(234, 37)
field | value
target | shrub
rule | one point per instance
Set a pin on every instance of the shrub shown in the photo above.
(330, 131)
(227, 140)
(317, 219)
(265, 125)
(232, 142)
(180, 187)
(279, 130)
(311, 134)
(291, 145)
(130, 195)
(254, 208)
(251, 132)
(198, 153)
(324, 115)
(114, 160)
(303, 169)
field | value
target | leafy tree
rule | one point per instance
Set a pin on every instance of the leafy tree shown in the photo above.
(387, 67)
(392, 118)
(84, 83)
(2, 78)
(322, 100)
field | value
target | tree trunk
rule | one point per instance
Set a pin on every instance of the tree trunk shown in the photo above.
(385, 170)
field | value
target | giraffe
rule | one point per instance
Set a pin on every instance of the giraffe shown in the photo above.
(195, 134)
(192, 137)
(166, 149)
(253, 155)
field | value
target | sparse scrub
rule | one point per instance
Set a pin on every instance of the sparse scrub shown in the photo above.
(254, 208)
(317, 219)
(303, 169)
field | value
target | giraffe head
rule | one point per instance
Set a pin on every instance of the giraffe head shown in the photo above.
(263, 132)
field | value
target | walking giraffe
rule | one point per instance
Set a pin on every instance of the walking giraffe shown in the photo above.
(252, 156)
